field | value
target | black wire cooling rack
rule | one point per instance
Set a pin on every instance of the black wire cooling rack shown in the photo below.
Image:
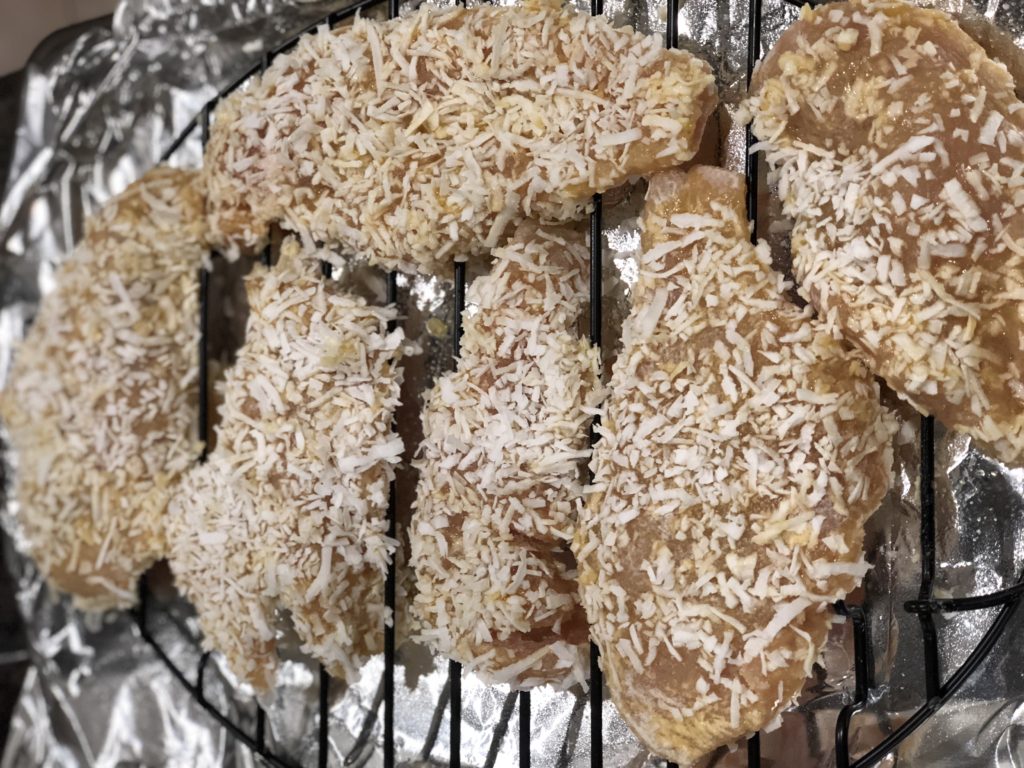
(925, 607)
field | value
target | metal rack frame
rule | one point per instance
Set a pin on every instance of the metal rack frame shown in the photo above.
(925, 606)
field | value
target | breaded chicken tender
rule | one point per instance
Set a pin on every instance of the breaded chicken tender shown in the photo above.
(741, 450)
(427, 139)
(501, 470)
(899, 149)
(101, 400)
(289, 512)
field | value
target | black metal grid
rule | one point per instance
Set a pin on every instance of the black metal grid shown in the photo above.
(925, 606)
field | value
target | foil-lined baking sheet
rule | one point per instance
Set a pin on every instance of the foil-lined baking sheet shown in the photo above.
(98, 110)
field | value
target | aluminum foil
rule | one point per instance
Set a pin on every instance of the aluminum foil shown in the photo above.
(99, 110)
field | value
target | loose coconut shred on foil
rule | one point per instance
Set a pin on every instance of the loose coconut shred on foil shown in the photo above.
(100, 104)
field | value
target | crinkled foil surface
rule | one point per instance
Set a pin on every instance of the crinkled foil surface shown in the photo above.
(97, 111)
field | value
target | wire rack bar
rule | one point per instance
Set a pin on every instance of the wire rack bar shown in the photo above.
(454, 683)
(389, 593)
(596, 693)
(261, 728)
(323, 720)
(596, 245)
(392, 576)
(751, 161)
(927, 491)
(204, 660)
(204, 322)
(596, 258)
(508, 706)
(524, 729)
(292, 42)
(754, 749)
(751, 175)
(203, 426)
(267, 255)
(180, 139)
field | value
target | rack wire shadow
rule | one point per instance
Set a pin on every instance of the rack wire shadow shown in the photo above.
(925, 607)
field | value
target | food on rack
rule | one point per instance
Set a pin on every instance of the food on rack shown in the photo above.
(501, 470)
(100, 404)
(900, 154)
(427, 139)
(290, 509)
(741, 450)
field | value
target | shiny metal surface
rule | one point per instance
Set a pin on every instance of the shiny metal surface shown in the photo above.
(96, 114)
